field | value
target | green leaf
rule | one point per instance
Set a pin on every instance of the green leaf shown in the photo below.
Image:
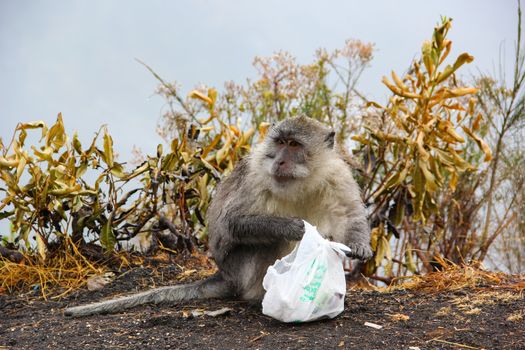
(118, 171)
(430, 179)
(24, 234)
(6, 214)
(107, 237)
(426, 51)
(398, 211)
(108, 148)
(41, 246)
(81, 170)
(381, 251)
(77, 146)
(169, 162)
(409, 260)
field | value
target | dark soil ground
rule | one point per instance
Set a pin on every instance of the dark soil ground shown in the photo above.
(487, 317)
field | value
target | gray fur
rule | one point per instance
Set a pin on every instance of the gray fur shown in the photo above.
(257, 214)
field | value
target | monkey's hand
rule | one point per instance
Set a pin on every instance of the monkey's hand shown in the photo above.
(359, 251)
(296, 229)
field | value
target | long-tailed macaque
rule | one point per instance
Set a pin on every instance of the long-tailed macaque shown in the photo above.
(257, 215)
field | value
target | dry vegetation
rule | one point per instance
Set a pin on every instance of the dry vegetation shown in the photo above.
(436, 159)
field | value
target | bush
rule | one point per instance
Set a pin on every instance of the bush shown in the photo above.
(49, 196)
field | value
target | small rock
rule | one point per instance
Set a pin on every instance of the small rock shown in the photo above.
(200, 312)
(219, 312)
(98, 282)
(373, 325)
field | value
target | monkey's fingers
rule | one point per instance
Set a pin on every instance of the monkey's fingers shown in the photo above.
(353, 255)
(359, 251)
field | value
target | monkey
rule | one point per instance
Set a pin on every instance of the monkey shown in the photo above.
(295, 173)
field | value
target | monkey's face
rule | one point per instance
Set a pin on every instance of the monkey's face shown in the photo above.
(293, 152)
(286, 160)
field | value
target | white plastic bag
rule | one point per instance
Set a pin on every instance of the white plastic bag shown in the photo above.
(309, 283)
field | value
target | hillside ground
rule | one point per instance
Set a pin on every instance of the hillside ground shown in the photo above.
(480, 316)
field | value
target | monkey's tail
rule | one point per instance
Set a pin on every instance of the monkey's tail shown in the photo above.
(212, 287)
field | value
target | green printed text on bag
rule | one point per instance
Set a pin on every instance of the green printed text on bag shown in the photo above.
(312, 287)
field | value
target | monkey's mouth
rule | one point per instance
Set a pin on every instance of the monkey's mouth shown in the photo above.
(282, 179)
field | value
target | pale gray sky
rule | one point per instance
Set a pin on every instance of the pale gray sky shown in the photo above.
(78, 57)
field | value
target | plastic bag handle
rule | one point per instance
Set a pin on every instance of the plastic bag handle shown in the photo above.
(340, 248)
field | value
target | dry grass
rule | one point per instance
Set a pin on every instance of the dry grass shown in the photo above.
(444, 311)
(486, 288)
(193, 267)
(517, 316)
(456, 277)
(54, 277)
(474, 311)
(68, 270)
(487, 298)
(399, 317)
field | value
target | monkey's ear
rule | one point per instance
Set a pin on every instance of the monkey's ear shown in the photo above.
(330, 139)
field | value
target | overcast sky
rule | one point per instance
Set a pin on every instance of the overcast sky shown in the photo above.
(78, 57)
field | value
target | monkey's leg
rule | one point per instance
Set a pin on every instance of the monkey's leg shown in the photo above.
(265, 229)
(213, 287)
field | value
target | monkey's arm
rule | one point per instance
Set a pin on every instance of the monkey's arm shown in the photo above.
(264, 229)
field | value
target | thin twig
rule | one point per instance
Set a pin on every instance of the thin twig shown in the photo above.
(455, 344)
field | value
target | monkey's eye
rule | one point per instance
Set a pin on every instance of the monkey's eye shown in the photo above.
(280, 142)
(294, 143)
